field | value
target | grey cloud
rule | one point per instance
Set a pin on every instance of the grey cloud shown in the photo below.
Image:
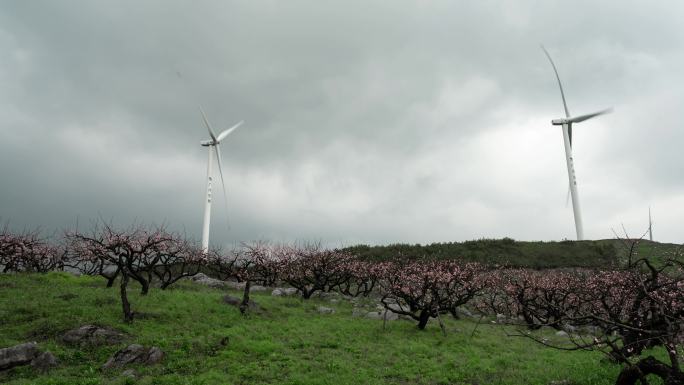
(366, 121)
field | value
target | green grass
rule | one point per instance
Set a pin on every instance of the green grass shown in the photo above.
(289, 342)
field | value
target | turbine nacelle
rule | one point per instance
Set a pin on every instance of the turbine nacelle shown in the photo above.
(581, 118)
(207, 143)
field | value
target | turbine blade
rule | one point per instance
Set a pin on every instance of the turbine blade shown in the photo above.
(581, 118)
(206, 123)
(228, 131)
(223, 183)
(567, 113)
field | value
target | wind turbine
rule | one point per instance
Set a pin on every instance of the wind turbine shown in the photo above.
(566, 123)
(213, 146)
(650, 226)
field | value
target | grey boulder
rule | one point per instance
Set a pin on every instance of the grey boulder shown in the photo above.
(205, 280)
(93, 336)
(325, 310)
(44, 362)
(134, 354)
(382, 315)
(21, 354)
(235, 301)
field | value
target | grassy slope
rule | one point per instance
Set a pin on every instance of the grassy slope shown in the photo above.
(289, 343)
(507, 252)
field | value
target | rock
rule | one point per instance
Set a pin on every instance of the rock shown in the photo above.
(396, 307)
(230, 300)
(18, 355)
(235, 285)
(44, 362)
(154, 356)
(284, 291)
(463, 312)
(327, 295)
(561, 333)
(380, 315)
(134, 354)
(235, 301)
(92, 335)
(334, 300)
(290, 291)
(358, 312)
(130, 373)
(256, 288)
(205, 280)
(570, 328)
(325, 310)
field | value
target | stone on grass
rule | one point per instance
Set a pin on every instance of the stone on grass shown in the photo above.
(134, 354)
(92, 335)
(396, 307)
(284, 291)
(561, 333)
(130, 373)
(358, 312)
(325, 310)
(256, 288)
(206, 280)
(381, 315)
(21, 354)
(44, 362)
(235, 301)
(289, 291)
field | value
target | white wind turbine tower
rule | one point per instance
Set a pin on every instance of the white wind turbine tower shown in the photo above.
(213, 146)
(566, 123)
(650, 226)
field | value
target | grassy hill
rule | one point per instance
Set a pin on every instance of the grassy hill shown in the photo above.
(508, 252)
(288, 342)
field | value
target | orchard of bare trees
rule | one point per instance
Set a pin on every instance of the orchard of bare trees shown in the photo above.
(624, 311)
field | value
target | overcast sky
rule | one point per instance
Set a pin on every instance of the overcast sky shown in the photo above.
(365, 121)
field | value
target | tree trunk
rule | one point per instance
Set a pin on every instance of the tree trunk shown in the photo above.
(110, 281)
(632, 374)
(423, 319)
(145, 287)
(126, 306)
(245, 298)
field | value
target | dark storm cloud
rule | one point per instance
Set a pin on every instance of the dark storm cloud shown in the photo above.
(366, 121)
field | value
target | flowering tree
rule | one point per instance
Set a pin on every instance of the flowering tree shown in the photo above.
(310, 268)
(426, 289)
(539, 298)
(627, 311)
(358, 278)
(28, 252)
(138, 253)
